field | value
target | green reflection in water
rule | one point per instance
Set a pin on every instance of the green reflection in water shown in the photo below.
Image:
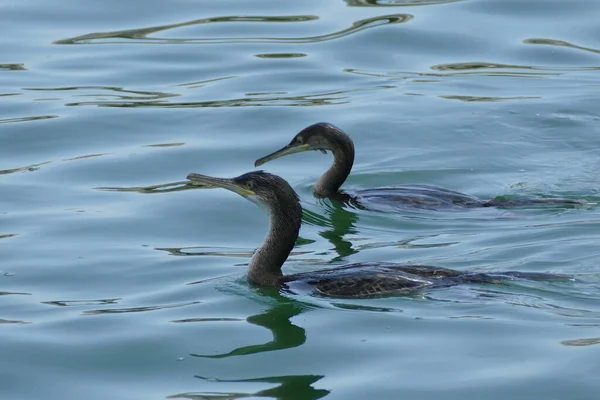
(288, 387)
(286, 335)
(339, 223)
(141, 35)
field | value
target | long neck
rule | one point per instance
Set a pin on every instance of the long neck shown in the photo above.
(343, 158)
(284, 225)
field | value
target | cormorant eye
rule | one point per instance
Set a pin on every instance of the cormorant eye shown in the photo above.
(299, 140)
(250, 185)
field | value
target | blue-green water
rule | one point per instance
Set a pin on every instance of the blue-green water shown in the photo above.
(125, 294)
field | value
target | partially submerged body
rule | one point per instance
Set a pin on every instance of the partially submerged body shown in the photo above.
(360, 280)
(327, 137)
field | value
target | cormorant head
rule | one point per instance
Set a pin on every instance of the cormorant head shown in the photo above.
(320, 136)
(268, 191)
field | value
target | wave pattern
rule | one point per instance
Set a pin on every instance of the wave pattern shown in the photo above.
(137, 36)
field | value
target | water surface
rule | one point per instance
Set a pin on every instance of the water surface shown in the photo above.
(140, 293)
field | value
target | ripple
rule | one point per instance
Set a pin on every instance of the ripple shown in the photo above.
(492, 69)
(26, 119)
(487, 98)
(475, 68)
(165, 144)
(7, 235)
(32, 167)
(160, 188)
(581, 342)
(137, 36)
(396, 3)
(13, 67)
(288, 387)
(541, 303)
(186, 320)
(406, 244)
(11, 321)
(198, 84)
(69, 303)
(85, 157)
(14, 293)
(280, 55)
(137, 309)
(128, 94)
(337, 97)
(182, 251)
(561, 43)
(360, 307)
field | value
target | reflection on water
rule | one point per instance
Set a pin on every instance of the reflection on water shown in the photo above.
(13, 293)
(165, 144)
(69, 303)
(286, 335)
(438, 84)
(395, 3)
(137, 36)
(113, 91)
(338, 223)
(159, 188)
(11, 321)
(488, 98)
(342, 223)
(581, 342)
(85, 156)
(26, 119)
(561, 43)
(151, 99)
(474, 68)
(31, 167)
(288, 388)
(133, 309)
(280, 55)
(13, 67)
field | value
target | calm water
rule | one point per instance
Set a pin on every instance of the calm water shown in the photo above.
(134, 293)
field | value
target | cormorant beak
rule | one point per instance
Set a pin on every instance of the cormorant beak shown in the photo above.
(223, 183)
(287, 150)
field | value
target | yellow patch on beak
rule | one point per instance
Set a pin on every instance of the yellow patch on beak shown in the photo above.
(243, 191)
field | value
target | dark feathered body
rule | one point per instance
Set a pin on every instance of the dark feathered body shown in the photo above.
(276, 196)
(327, 137)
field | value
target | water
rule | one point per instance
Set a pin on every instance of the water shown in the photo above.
(139, 294)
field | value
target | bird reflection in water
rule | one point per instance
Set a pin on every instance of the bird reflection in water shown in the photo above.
(288, 387)
(286, 335)
(338, 223)
(277, 319)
